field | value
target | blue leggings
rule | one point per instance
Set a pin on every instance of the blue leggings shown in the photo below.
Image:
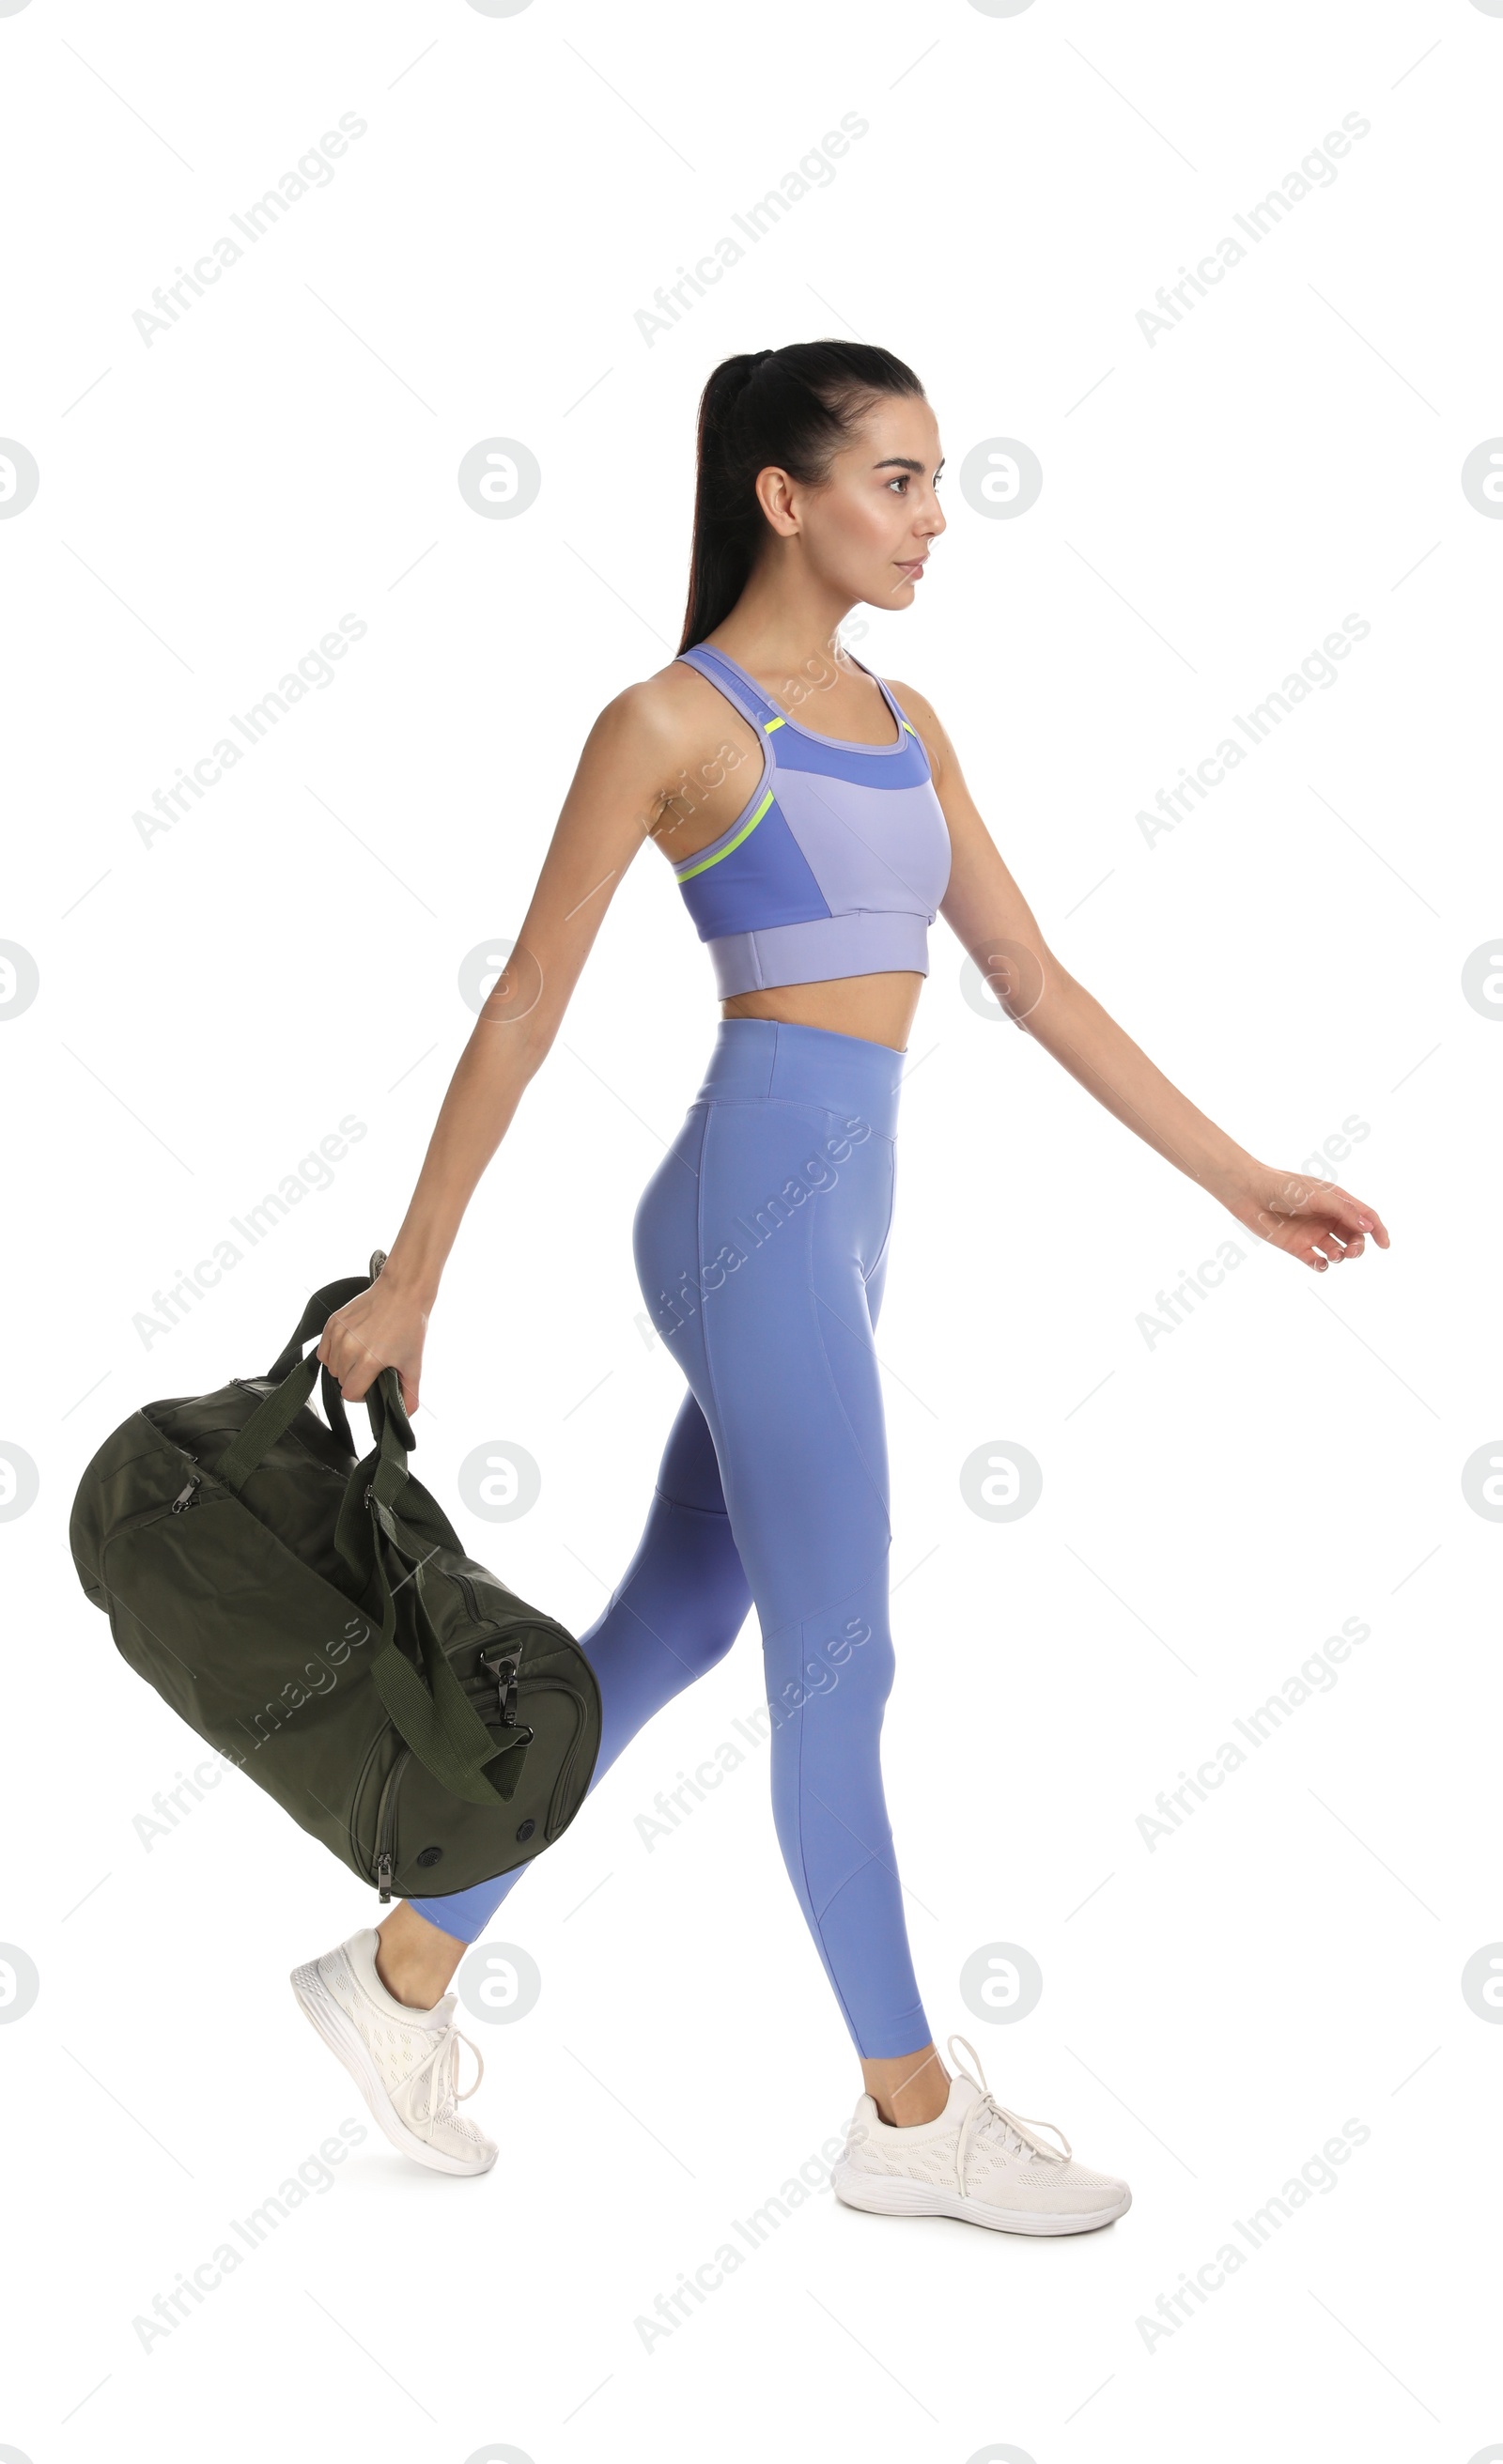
(761, 1246)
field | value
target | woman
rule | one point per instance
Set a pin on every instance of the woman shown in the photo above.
(816, 821)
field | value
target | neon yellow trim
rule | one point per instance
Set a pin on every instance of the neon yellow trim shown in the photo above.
(743, 833)
(768, 724)
(913, 731)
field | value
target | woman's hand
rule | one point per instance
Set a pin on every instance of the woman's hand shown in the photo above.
(1314, 1220)
(382, 1327)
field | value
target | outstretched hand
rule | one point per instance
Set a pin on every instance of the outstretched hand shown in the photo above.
(382, 1327)
(1314, 1220)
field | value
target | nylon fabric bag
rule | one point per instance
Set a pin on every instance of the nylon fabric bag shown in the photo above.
(317, 1621)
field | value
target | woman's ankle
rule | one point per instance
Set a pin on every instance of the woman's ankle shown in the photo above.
(907, 2089)
(416, 1960)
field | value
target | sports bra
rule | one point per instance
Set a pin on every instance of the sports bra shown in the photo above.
(836, 864)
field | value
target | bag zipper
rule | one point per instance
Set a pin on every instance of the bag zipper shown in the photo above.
(359, 1790)
(566, 1767)
(385, 1824)
(481, 1617)
(154, 1513)
(501, 1677)
(500, 1662)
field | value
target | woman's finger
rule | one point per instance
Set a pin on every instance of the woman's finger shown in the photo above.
(1349, 1214)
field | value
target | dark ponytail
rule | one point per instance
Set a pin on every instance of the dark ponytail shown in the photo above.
(795, 408)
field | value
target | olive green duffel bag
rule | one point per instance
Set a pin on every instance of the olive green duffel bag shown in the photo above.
(319, 1621)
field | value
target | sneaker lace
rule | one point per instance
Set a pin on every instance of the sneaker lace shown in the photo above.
(444, 2094)
(986, 2118)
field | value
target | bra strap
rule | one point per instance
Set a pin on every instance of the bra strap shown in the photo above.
(905, 726)
(735, 684)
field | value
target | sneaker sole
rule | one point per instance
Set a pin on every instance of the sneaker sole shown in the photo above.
(882, 2195)
(343, 2038)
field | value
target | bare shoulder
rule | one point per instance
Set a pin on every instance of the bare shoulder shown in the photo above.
(663, 724)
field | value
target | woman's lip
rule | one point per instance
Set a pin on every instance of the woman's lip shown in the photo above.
(912, 564)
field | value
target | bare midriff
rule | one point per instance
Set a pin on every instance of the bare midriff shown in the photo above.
(878, 1008)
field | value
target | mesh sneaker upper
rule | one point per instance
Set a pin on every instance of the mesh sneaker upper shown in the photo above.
(417, 2059)
(980, 2151)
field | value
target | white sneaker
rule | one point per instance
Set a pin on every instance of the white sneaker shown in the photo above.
(975, 2161)
(405, 2062)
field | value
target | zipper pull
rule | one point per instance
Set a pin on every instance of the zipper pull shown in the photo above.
(501, 1667)
(185, 1496)
(383, 1875)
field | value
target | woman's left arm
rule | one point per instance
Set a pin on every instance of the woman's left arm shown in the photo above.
(1314, 1220)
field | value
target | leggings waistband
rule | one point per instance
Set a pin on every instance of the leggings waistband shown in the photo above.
(787, 1064)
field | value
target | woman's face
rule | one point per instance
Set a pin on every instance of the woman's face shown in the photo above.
(867, 532)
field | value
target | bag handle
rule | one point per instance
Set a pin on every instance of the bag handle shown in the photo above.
(429, 1708)
(315, 1317)
(271, 1419)
(385, 1468)
(296, 1378)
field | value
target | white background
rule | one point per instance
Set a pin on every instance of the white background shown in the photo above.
(1214, 1504)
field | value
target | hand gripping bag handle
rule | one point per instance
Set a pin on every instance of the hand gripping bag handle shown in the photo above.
(390, 1426)
(315, 1317)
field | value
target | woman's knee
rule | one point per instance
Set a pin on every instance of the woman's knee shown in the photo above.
(843, 1681)
(857, 1654)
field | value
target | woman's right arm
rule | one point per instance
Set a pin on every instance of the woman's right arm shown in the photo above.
(612, 805)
